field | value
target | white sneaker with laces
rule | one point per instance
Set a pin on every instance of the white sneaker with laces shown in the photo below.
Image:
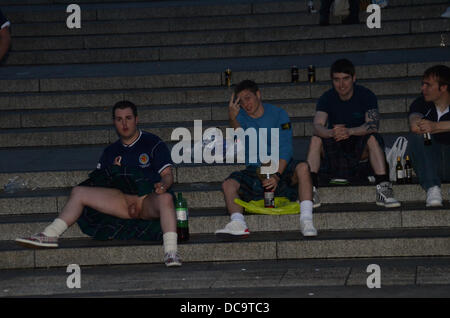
(235, 228)
(307, 228)
(434, 196)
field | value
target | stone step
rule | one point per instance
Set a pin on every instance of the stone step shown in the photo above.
(130, 11)
(327, 217)
(291, 33)
(230, 22)
(401, 277)
(215, 51)
(212, 78)
(84, 158)
(260, 245)
(168, 114)
(205, 195)
(193, 95)
(13, 138)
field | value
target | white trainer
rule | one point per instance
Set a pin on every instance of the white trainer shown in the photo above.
(235, 228)
(307, 228)
(434, 196)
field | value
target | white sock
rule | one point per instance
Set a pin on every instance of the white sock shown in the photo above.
(306, 209)
(56, 229)
(238, 216)
(170, 242)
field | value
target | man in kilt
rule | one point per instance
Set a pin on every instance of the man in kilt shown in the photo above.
(346, 133)
(128, 195)
(292, 178)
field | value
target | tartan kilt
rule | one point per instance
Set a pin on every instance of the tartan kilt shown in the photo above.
(101, 226)
(343, 158)
(252, 189)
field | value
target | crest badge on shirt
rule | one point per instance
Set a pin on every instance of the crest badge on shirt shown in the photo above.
(144, 160)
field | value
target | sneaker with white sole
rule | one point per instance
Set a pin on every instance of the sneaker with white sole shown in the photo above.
(234, 228)
(434, 197)
(172, 259)
(307, 228)
(316, 198)
(38, 240)
(385, 195)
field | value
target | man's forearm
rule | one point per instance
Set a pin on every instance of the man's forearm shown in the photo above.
(323, 132)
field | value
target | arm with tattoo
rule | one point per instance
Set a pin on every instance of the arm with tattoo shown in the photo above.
(371, 125)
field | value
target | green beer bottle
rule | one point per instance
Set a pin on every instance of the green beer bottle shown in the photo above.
(182, 218)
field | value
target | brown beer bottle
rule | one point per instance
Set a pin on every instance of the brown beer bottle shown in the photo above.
(408, 170)
(399, 173)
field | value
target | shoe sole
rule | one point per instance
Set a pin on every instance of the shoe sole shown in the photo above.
(173, 264)
(389, 205)
(434, 205)
(32, 244)
(316, 205)
(309, 234)
(232, 236)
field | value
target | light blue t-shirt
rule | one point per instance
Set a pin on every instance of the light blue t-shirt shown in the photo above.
(273, 117)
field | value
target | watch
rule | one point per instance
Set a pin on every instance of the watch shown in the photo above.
(278, 175)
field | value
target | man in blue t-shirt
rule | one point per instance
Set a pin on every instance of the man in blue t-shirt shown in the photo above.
(346, 131)
(291, 178)
(5, 36)
(137, 151)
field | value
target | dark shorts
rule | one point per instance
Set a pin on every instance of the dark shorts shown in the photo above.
(343, 159)
(251, 187)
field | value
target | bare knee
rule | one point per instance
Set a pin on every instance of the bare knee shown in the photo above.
(230, 185)
(316, 143)
(302, 169)
(165, 200)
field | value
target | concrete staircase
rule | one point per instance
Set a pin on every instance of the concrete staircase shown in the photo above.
(58, 85)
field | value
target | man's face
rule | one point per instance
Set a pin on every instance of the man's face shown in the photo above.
(343, 84)
(249, 101)
(125, 123)
(430, 89)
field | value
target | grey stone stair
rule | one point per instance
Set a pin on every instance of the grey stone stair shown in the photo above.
(201, 195)
(259, 246)
(357, 216)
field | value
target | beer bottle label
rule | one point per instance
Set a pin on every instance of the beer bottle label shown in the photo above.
(269, 199)
(400, 174)
(181, 214)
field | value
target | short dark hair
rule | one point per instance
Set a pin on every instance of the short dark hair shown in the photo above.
(342, 66)
(441, 73)
(123, 105)
(246, 84)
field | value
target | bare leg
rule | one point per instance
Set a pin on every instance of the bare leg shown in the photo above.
(314, 152)
(105, 200)
(303, 177)
(160, 206)
(376, 156)
(230, 189)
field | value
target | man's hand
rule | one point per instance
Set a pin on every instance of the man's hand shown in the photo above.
(340, 132)
(233, 107)
(426, 126)
(271, 183)
(160, 188)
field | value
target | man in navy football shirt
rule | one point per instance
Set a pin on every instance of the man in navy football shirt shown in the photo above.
(150, 158)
